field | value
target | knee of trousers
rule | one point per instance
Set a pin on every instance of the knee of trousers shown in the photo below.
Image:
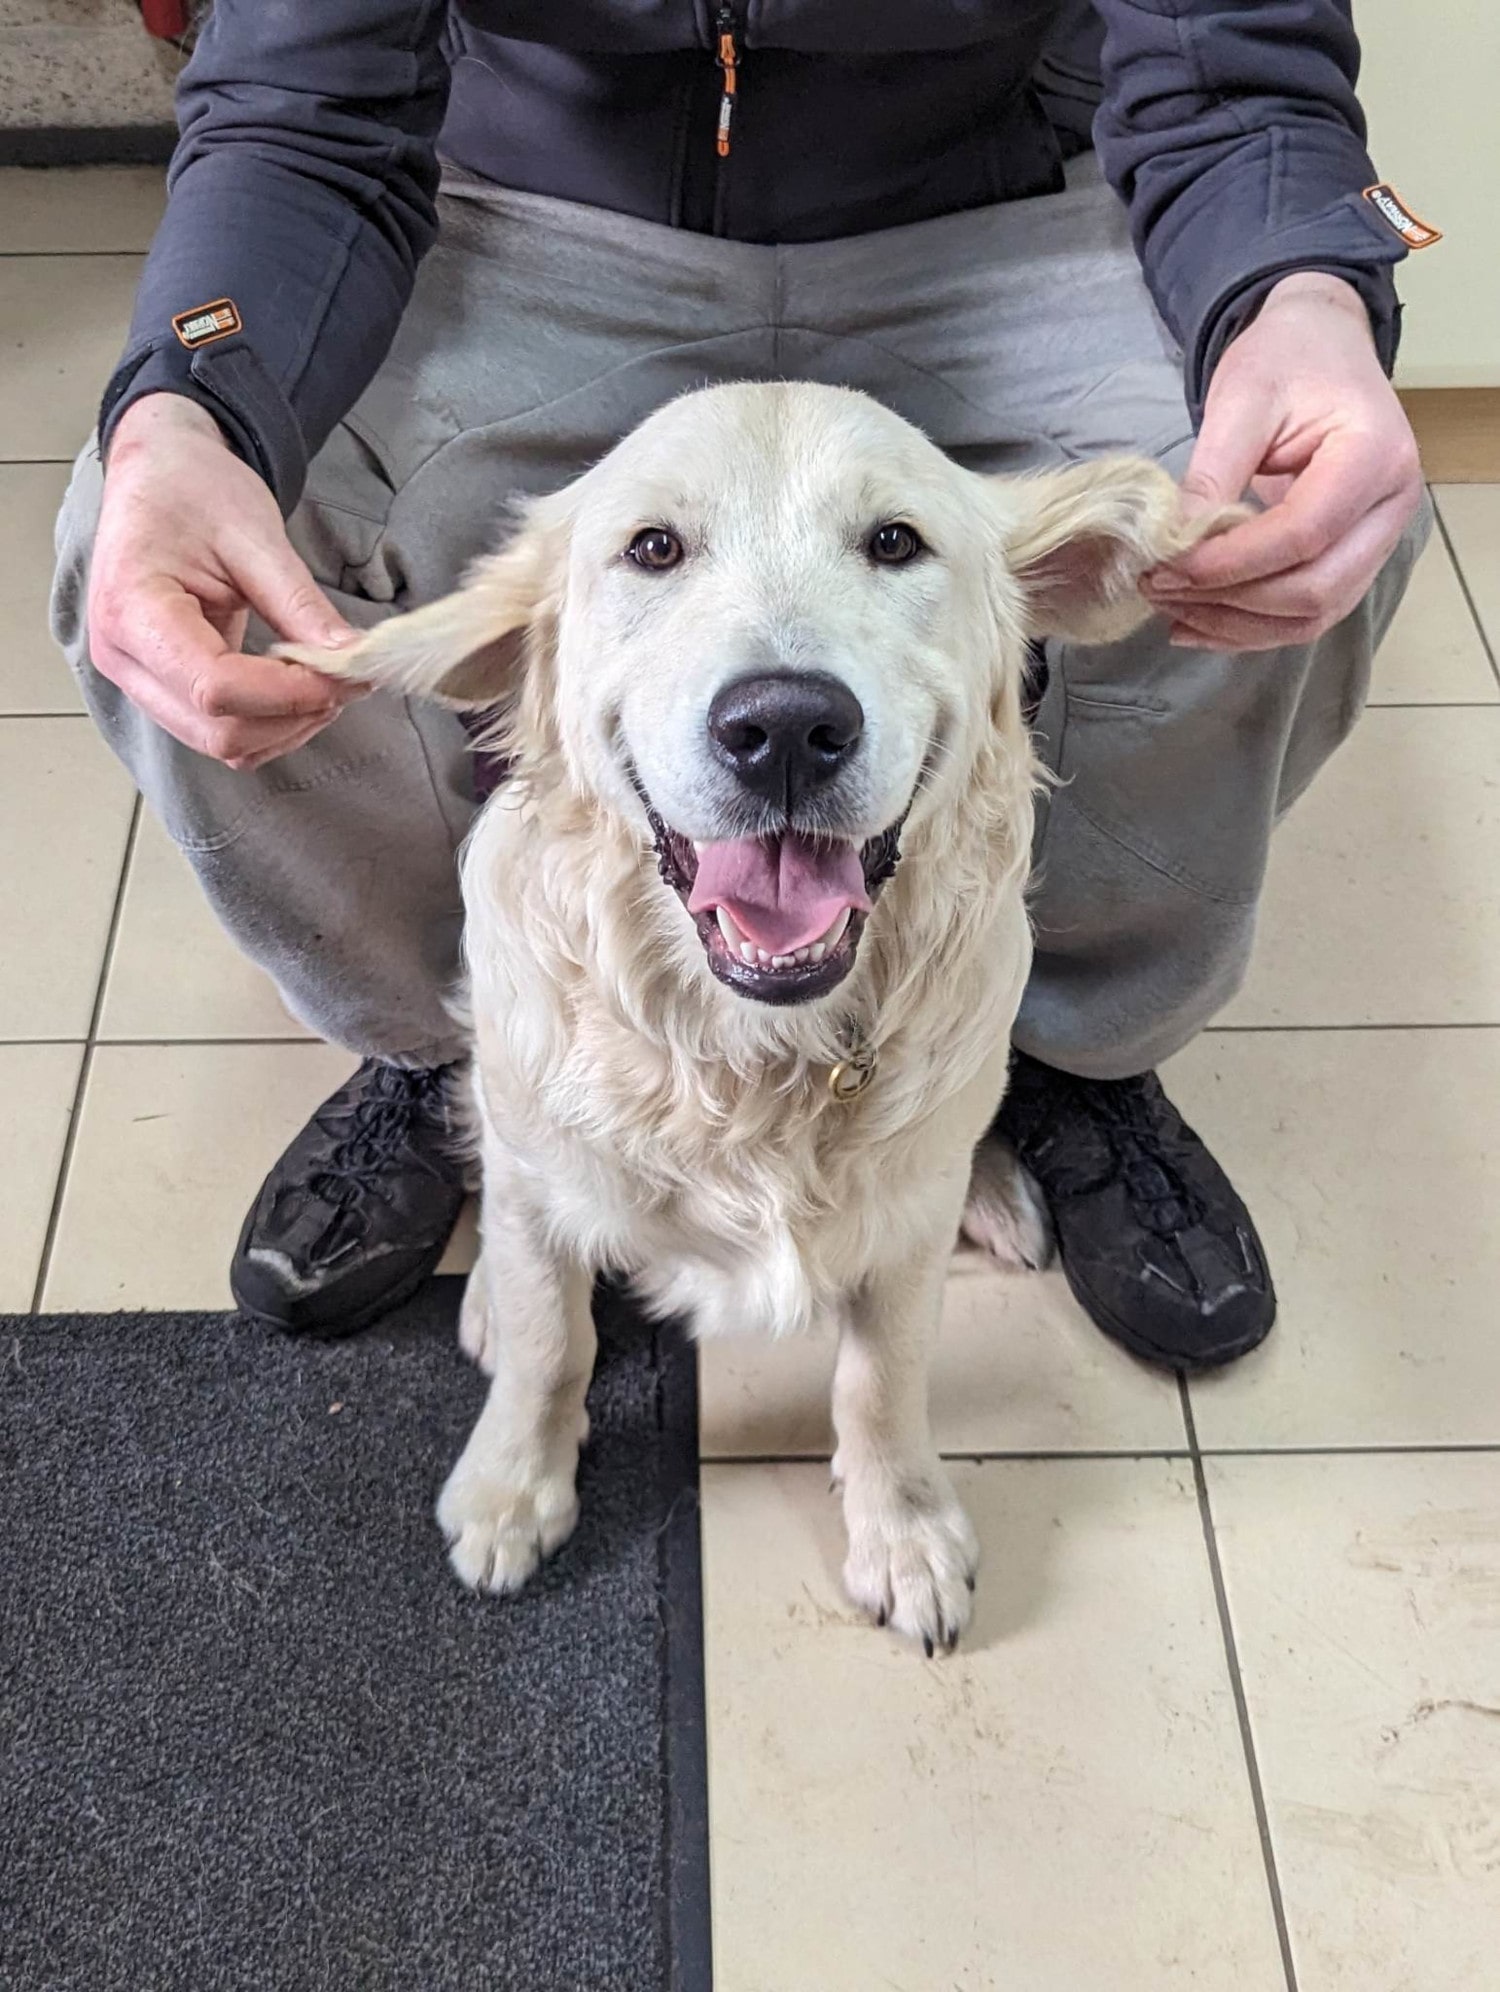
(1172, 769)
(424, 778)
(161, 767)
(1335, 684)
(1186, 758)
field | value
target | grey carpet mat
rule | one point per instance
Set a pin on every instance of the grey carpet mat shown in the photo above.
(254, 1735)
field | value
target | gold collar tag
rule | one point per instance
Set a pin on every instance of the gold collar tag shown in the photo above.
(852, 1075)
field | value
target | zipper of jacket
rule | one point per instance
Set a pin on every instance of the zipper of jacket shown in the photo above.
(727, 59)
(727, 56)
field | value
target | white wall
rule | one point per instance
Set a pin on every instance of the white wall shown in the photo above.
(1431, 87)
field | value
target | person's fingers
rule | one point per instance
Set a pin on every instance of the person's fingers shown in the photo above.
(1272, 487)
(237, 741)
(1324, 589)
(1346, 478)
(1229, 451)
(277, 748)
(230, 623)
(1213, 628)
(164, 631)
(283, 593)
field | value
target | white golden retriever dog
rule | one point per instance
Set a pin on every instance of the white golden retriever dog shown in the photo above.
(745, 926)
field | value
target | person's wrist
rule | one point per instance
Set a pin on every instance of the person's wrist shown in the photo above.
(157, 418)
(1317, 288)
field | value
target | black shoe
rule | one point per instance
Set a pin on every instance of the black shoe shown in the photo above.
(1156, 1244)
(356, 1213)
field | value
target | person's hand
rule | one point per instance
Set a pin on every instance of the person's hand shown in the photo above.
(1299, 412)
(189, 540)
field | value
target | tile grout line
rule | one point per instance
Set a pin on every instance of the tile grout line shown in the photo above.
(1463, 582)
(1304, 1030)
(170, 1043)
(1421, 1449)
(1237, 1688)
(957, 1456)
(1213, 1030)
(56, 255)
(86, 1063)
(967, 1456)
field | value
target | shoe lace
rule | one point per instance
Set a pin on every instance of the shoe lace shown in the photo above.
(376, 1135)
(1165, 1203)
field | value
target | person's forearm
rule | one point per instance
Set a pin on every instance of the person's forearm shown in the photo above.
(1234, 135)
(301, 200)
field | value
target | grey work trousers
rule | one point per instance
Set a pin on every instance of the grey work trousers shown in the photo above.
(540, 332)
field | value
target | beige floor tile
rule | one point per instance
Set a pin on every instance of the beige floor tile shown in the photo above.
(1432, 651)
(63, 321)
(79, 208)
(64, 815)
(1062, 1806)
(1471, 513)
(36, 1083)
(463, 1245)
(1371, 1162)
(33, 676)
(1366, 1599)
(172, 1144)
(1381, 905)
(1018, 1369)
(175, 973)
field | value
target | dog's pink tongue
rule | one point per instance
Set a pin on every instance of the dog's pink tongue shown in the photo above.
(782, 892)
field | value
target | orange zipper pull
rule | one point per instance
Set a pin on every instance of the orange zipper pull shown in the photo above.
(728, 60)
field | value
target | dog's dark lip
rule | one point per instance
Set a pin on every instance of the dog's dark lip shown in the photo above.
(677, 862)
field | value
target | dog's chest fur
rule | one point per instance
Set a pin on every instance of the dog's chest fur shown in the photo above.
(659, 1125)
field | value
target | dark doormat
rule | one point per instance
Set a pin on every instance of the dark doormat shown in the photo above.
(253, 1733)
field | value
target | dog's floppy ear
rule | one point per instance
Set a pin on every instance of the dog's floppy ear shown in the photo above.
(467, 649)
(1083, 537)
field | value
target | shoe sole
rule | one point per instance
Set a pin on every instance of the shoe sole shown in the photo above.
(1148, 1351)
(366, 1316)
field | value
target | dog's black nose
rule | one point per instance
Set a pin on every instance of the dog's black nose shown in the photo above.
(786, 732)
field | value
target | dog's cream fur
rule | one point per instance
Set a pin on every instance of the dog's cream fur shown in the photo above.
(633, 1112)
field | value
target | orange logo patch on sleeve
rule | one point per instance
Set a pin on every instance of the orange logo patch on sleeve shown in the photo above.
(1389, 205)
(207, 322)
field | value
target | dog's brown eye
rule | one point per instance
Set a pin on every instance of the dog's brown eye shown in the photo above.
(895, 544)
(655, 548)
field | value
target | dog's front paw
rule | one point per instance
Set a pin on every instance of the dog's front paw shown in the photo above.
(1005, 1214)
(476, 1326)
(500, 1523)
(912, 1557)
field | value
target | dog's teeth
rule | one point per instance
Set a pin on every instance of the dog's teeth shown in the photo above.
(817, 951)
(783, 961)
(747, 952)
(731, 933)
(800, 956)
(836, 932)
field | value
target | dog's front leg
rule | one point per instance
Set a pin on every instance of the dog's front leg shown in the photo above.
(912, 1551)
(511, 1499)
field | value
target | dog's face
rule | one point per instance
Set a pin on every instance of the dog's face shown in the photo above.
(777, 624)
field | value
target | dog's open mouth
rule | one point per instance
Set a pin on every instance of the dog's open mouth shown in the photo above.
(780, 917)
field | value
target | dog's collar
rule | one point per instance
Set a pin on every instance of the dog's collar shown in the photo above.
(854, 1073)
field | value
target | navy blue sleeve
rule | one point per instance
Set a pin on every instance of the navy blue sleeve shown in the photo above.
(302, 191)
(1232, 131)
